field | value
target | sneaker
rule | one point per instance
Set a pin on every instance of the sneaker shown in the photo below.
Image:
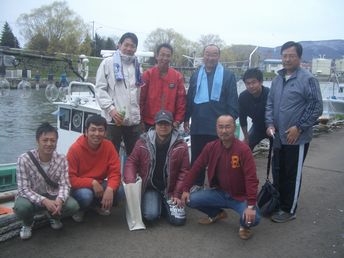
(209, 220)
(282, 216)
(78, 216)
(245, 233)
(25, 232)
(102, 212)
(55, 223)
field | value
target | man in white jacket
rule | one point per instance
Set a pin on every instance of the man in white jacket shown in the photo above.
(118, 85)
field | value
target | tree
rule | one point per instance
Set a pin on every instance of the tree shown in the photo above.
(211, 39)
(86, 46)
(57, 24)
(7, 37)
(181, 45)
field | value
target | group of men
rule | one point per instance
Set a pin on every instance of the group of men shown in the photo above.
(145, 113)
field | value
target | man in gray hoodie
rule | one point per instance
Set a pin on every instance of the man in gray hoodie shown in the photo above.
(293, 106)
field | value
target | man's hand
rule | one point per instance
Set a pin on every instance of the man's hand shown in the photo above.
(107, 199)
(293, 134)
(51, 206)
(58, 205)
(97, 188)
(187, 127)
(270, 131)
(117, 117)
(177, 201)
(249, 216)
(185, 198)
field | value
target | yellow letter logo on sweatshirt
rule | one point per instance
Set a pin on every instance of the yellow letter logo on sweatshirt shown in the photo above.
(235, 161)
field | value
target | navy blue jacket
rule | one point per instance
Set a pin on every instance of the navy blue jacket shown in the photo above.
(203, 116)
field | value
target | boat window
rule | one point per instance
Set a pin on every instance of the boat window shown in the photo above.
(64, 116)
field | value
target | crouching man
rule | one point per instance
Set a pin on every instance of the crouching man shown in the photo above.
(161, 158)
(94, 169)
(231, 176)
(44, 186)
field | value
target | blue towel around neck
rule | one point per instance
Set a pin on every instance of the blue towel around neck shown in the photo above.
(202, 92)
(117, 67)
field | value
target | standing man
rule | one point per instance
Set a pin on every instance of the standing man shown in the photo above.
(163, 89)
(49, 192)
(252, 102)
(118, 84)
(94, 169)
(161, 159)
(293, 106)
(212, 92)
(232, 179)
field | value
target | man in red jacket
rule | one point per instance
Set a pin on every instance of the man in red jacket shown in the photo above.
(232, 179)
(163, 89)
(160, 157)
(94, 169)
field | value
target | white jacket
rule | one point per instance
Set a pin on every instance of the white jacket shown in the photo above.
(120, 95)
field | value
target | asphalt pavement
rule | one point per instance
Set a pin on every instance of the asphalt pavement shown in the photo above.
(318, 230)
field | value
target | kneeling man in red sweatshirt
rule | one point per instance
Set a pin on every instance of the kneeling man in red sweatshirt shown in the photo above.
(232, 179)
(94, 169)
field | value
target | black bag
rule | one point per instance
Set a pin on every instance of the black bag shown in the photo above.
(268, 197)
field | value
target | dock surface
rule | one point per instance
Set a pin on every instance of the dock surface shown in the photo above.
(318, 230)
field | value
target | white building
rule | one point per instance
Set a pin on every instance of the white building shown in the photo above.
(321, 66)
(340, 65)
(272, 65)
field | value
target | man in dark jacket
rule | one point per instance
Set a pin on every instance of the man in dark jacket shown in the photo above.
(212, 92)
(232, 179)
(252, 102)
(161, 158)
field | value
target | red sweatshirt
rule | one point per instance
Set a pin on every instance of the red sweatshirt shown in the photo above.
(167, 92)
(86, 164)
(232, 170)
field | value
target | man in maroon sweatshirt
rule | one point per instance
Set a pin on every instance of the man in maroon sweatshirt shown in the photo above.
(232, 179)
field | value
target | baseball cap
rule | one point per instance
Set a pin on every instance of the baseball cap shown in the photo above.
(164, 115)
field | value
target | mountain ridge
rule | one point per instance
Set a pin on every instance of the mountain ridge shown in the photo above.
(330, 49)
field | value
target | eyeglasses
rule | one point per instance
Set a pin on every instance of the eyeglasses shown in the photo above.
(290, 56)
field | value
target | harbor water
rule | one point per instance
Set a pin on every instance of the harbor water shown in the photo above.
(19, 118)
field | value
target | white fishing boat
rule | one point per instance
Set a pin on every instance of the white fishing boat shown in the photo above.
(333, 103)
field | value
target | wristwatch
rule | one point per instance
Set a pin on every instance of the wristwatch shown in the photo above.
(251, 207)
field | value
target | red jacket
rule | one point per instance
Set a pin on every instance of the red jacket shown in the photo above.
(142, 162)
(85, 164)
(242, 183)
(167, 92)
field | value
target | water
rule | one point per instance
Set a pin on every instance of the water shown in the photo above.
(20, 117)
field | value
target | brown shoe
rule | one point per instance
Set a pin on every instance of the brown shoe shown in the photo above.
(208, 220)
(245, 233)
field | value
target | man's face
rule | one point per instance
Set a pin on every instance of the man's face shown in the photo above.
(128, 47)
(290, 59)
(253, 86)
(163, 129)
(211, 57)
(95, 135)
(225, 128)
(47, 143)
(164, 58)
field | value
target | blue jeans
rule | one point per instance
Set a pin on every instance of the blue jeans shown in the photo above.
(86, 197)
(153, 203)
(212, 201)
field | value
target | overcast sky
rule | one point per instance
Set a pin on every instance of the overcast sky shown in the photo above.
(267, 23)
